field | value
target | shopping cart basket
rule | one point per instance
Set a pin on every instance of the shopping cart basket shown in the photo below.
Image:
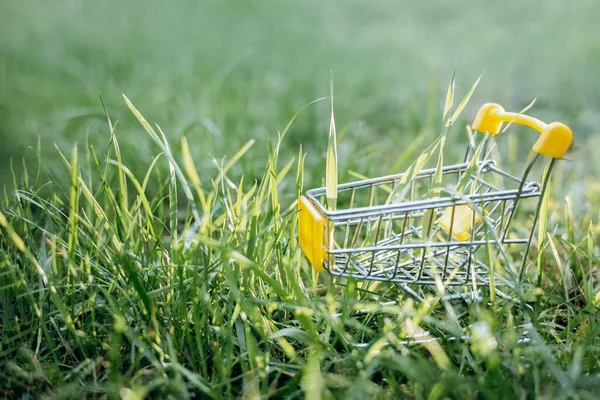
(456, 237)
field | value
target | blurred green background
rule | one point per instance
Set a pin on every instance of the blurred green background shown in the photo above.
(223, 72)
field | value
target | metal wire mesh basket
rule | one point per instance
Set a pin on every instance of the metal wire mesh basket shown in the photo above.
(457, 237)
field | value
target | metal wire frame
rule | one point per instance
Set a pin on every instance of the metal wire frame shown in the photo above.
(403, 256)
(528, 189)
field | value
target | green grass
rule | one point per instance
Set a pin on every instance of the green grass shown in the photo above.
(201, 290)
(136, 263)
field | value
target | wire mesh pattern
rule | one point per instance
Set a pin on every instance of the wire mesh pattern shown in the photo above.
(417, 237)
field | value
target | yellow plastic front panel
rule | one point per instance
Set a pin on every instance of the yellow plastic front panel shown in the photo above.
(311, 230)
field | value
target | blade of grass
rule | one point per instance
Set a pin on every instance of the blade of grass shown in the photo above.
(459, 109)
(331, 168)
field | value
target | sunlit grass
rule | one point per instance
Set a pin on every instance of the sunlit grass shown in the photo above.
(331, 165)
(201, 290)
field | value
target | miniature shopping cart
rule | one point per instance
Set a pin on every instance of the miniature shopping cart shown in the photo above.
(460, 236)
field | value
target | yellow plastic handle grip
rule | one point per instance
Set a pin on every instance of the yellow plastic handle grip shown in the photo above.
(555, 138)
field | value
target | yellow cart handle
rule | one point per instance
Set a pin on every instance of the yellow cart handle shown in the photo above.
(555, 138)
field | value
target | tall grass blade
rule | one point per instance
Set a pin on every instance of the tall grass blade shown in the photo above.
(331, 168)
(543, 220)
(461, 106)
(449, 95)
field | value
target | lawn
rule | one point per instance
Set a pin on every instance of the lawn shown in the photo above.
(160, 259)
